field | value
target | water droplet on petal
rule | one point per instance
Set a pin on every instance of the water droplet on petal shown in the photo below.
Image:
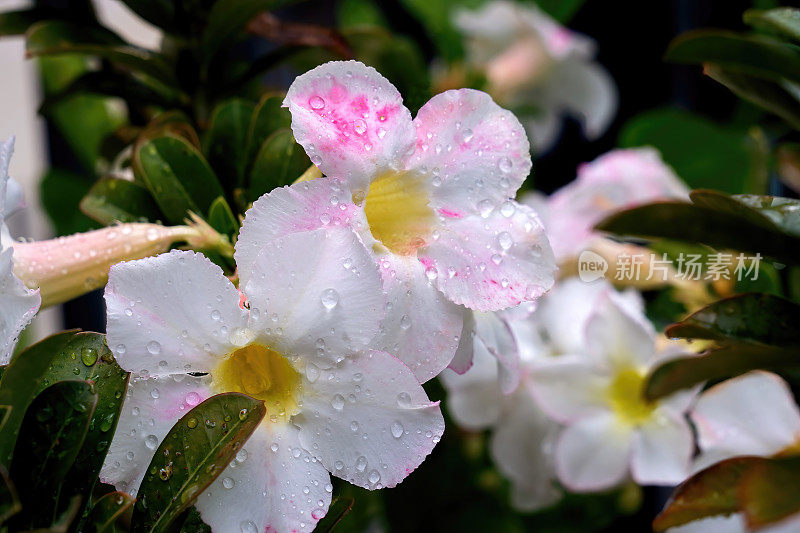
(329, 299)
(404, 400)
(505, 164)
(154, 347)
(361, 463)
(397, 429)
(151, 441)
(228, 483)
(338, 402)
(316, 102)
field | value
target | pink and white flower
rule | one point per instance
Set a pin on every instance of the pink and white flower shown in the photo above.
(18, 304)
(313, 303)
(610, 429)
(430, 198)
(531, 60)
(617, 180)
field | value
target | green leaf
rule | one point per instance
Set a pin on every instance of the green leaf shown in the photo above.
(225, 143)
(717, 220)
(116, 200)
(111, 513)
(178, 176)
(50, 438)
(18, 22)
(760, 318)
(350, 13)
(58, 37)
(228, 19)
(784, 21)
(768, 95)
(279, 162)
(720, 363)
(192, 455)
(267, 118)
(710, 492)
(783, 212)
(703, 153)
(161, 13)
(9, 499)
(221, 218)
(561, 10)
(61, 193)
(770, 491)
(336, 512)
(436, 17)
(756, 55)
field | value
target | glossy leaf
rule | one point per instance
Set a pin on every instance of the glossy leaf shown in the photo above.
(192, 455)
(710, 492)
(336, 512)
(225, 143)
(279, 162)
(178, 176)
(770, 491)
(758, 56)
(116, 200)
(111, 513)
(761, 318)
(720, 363)
(50, 438)
(57, 37)
(268, 117)
(221, 218)
(783, 20)
(9, 499)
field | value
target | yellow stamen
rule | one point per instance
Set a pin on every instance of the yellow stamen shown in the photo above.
(626, 396)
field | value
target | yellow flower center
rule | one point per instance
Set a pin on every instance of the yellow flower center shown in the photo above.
(626, 396)
(264, 374)
(397, 211)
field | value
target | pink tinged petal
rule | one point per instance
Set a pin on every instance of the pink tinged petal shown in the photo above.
(522, 447)
(421, 327)
(569, 387)
(67, 267)
(171, 313)
(369, 421)
(493, 262)
(350, 120)
(716, 524)
(462, 360)
(586, 90)
(754, 414)
(152, 406)
(593, 453)
(297, 208)
(662, 450)
(495, 334)
(316, 292)
(475, 399)
(476, 152)
(273, 485)
(18, 305)
(617, 337)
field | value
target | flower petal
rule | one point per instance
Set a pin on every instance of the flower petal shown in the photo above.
(18, 305)
(592, 454)
(716, 524)
(662, 450)
(300, 207)
(350, 120)
(170, 313)
(521, 447)
(152, 406)
(274, 485)
(474, 399)
(617, 336)
(317, 292)
(495, 334)
(462, 360)
(586, 90)
(754, 414)
(568, 387)
(369, 421)
(492, 263)
(477, 151)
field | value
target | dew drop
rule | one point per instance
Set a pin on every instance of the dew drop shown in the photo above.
(154, 347)
(329, 299)
(404, 400)
(505, 164)
(248, 527)
(316, 102)
(338, 402)
(228, 483)
(374, 476)
(361, 463)
(151, 441)
(397, 429)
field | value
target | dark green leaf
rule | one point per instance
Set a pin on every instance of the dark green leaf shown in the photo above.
(192, 456)
(178, 176)
(225, 143)
(115, 200)
(57, 37)
(61, 193)
(720, 363)
(768, 95)
(9, 500)
(760, 318)
(228, 19)
(50, 438)
(279, 162)
(350, 13)
(221, 218)
(758, 56)
(436, 16)
(158, 12)
(783, 20)
(337, 510)
(703, 153)
(18, 22)
(111, 513)
(770, 491)
(267, 118)
(561, 10)
(710, 492)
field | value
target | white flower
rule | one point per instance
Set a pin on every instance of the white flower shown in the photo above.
(530, 60)
(18, 304)
(598, 395)
(315, 303)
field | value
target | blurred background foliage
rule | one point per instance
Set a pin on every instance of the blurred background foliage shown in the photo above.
(197, 126)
